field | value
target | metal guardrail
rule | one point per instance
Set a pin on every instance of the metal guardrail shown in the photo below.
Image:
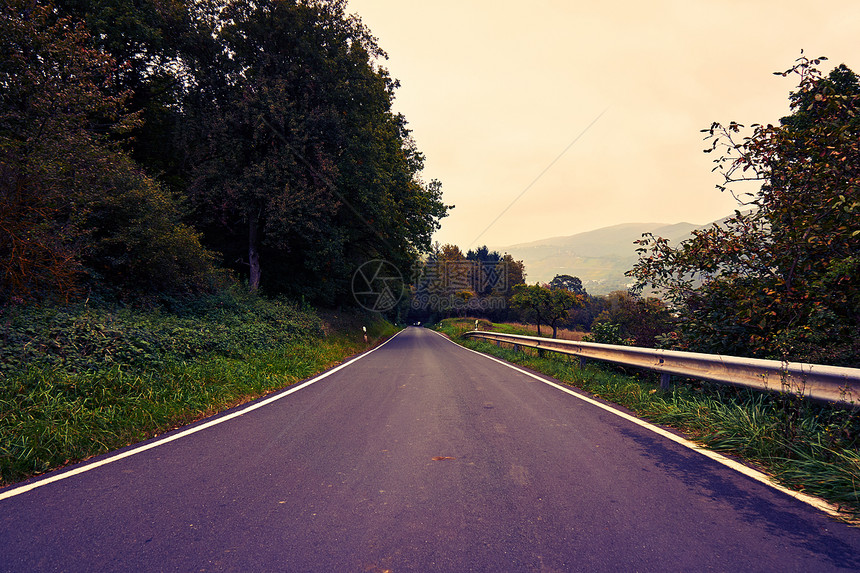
(819, 382)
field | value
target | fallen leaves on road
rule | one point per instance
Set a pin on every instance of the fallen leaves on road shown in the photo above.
(442, 458)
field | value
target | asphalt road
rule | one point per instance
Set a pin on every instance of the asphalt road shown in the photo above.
(420, 456)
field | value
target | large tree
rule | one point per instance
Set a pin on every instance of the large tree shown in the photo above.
(160, 47)
(306, 172)
(781, 278)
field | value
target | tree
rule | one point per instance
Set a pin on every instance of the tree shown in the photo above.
(568, 283)
(780, 279)
(516, 273)
(640, 320)
(155, 44)
(583, 318)
(481, 281)
(530, 299)
(560, 303)
(545, 305)
(488, 265)
(74, 209)
(305, 169)
(455, 278)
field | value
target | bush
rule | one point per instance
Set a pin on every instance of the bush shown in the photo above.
(85, 338)
(606, 333)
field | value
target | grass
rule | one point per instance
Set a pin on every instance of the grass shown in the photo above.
(806, 446)
(77, 382)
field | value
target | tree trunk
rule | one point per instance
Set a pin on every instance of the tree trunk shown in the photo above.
(254, 252)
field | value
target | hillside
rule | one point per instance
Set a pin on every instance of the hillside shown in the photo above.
(599, 258)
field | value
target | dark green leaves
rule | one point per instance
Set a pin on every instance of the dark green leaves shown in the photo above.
(778, 280)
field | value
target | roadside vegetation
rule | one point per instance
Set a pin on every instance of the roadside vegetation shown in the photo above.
(154, 156)
(779, 279)
(77, 381)
(809, 447)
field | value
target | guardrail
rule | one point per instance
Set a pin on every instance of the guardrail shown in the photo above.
(819, 382)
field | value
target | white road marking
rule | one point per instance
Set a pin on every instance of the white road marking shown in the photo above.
(815, 502)
(87, 467)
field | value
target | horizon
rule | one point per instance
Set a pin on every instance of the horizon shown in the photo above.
(631, 223)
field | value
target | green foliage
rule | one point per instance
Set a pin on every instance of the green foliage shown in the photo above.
(50, 88)
(479, 283)
(607, 333)
(155, 44)
(779, 280)
(545, 305)
(567, 282)
(79, 381)
(136, 243)
(272, 117)
(75, 211)
(639, 321)
(302, 168)
(81, 338)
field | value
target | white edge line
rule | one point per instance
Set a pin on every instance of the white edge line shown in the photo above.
(265, 402)
(815, 502)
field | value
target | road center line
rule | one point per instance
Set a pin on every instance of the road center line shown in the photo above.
(815, 502)
(281, 394)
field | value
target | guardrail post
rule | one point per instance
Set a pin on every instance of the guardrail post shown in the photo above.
(665, 380)
(516, 347)
(582, 361)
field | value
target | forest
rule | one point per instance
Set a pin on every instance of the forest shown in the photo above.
(156, 150)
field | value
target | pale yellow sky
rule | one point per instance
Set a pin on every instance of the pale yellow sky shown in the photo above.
(495, 90)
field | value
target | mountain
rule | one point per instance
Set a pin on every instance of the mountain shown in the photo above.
(599, 258)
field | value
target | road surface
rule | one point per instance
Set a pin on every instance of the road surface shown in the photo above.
(419, 456)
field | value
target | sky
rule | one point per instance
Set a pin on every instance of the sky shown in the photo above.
(550, 118)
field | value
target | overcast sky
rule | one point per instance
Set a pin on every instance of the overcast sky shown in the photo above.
(496, 90)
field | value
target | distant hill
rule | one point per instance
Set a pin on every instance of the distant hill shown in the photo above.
(599, 258)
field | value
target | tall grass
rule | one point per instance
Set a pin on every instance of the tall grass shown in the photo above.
(79, 381)
(804, 445)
